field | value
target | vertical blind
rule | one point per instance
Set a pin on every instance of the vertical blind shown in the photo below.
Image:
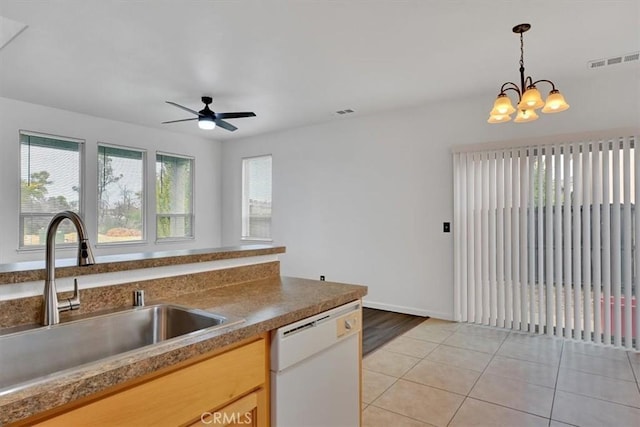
(545, 239)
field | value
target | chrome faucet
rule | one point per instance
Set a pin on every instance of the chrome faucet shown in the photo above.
(52, 307)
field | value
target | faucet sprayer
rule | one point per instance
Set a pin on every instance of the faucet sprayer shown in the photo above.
(52, 307)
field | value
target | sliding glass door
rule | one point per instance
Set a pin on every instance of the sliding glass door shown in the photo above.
(545, 239)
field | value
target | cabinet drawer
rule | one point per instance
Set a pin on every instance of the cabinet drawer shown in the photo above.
(241, 412)
(179, 396)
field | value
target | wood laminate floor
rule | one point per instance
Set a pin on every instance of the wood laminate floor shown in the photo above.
(380, 327)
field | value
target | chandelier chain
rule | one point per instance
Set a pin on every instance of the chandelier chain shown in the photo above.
(521, 50)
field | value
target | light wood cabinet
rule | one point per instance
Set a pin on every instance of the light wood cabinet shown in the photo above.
(242, 412)
(230, 388)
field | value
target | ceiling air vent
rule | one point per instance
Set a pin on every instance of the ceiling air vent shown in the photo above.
(614, 60)
(632, 57)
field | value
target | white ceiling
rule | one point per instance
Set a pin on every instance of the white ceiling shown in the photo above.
(294, 62)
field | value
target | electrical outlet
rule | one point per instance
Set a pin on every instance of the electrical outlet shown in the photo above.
(446, 227)
(322, 278)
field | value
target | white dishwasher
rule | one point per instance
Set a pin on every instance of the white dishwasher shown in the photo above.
(315, 370)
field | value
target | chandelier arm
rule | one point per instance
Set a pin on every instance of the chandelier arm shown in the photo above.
(528, 82)
(516, 90)
(553, 87)
(514, 87)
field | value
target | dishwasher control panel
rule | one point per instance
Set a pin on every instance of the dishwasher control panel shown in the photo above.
(348, 324)
(298, 341)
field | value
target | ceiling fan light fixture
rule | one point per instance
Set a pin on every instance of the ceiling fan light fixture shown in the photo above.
(208, 119)
(206, 123)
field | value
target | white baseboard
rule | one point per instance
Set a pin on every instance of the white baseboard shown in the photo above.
(407, 310)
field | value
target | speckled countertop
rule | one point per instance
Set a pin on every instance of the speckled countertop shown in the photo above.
(265, 305)
(35, 270)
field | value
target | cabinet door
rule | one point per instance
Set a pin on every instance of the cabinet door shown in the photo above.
(179, 396)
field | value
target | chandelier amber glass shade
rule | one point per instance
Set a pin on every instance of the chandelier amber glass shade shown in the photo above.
(502, 106)
(555, 103)
(531, 100)
(499, 118)
(525, 116)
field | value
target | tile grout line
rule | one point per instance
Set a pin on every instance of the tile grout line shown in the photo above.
(502, 405)
(398, 378)
(633, 371)
(599, 399)
(372, 403)
(425, 358)
(630, 378)
(510, 408)
(414, 382)
(605, 376)
(601, 375)
(464, 397)
(478, 379)
(555, 387)
(403, 415)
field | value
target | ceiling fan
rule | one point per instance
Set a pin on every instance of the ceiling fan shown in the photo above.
(208, 119)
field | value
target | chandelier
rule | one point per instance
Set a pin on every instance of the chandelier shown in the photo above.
(529, 98)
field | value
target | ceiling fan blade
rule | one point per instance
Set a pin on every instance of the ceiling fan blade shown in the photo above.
(234, 115)
(225, 125)
(176, 121)
(184, 108)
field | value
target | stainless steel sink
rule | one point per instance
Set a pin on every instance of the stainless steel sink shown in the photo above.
(32, 354)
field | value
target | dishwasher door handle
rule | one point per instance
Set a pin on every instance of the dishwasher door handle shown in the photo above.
(348, 324)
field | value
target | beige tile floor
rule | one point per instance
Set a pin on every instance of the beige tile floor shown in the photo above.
(450, 374)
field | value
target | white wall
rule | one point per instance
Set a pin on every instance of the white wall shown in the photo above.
(16, 115)
(363, 199)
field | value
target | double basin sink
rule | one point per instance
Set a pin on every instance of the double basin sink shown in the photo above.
(28, 356)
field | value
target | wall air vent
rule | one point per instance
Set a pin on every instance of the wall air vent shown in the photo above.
(614, 60)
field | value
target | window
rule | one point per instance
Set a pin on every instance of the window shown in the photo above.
(256, 198)
(120, 194)
(49, 183)
(174, 197)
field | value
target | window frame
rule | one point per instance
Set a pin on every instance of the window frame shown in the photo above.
(81, 188)
(242, 201)
(192, 159)
(144, 199)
